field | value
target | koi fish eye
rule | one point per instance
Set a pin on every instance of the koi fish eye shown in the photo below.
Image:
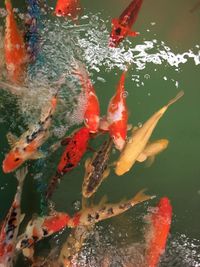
(118, 31)
(17, 159)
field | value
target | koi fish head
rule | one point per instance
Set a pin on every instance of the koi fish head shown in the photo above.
(12, 161)
(119, 32)
(68, 8)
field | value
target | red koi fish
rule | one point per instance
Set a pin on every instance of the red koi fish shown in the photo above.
(15, 49)
(121, 27)
(41, 227)
(9, 230)
(76, 146)
(92, 110)
(26, 146)
(160, 222)
(68, 8)
(117, 115)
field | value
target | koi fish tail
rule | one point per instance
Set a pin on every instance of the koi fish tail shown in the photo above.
(176, 98)
(53, 183)
(8, 5)
(21, 174)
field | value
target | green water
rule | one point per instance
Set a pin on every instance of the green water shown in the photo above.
(176, 171)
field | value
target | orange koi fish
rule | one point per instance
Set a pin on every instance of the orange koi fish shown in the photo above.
(15, 50)
(160, 222)
(9, 230)
(26, 146)
(121, 27)
(92, 110)
(117, 115)
(76, 146)
(41, 227)
(68, 8)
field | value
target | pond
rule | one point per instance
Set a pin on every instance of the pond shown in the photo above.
(161, 61)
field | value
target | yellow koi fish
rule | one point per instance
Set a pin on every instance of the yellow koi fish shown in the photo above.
(140, 137)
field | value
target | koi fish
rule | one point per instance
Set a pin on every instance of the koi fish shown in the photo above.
(152, 149)
(9, 230)
(121, 27)
(96, 169)
(92, 110)
(139, 139)
(41, 227)
(15, 50)
(26, 147)
(68, 8)
(160, 222)
(117, 115)
(92, 215)
(76, 146)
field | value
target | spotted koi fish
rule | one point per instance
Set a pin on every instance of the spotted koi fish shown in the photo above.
(26, 147)
(15, 50)
(160, 222)
(121, 27)
(41, 227)
(76, 146)
(9, 230)
(96, 169)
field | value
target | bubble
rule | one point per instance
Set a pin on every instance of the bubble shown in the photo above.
(124, 94)
(147, 76)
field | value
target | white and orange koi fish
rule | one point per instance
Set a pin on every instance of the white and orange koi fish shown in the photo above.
(117, 115)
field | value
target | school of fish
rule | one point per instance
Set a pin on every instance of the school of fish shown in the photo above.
(20, 49)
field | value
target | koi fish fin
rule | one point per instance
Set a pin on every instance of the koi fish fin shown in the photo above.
(176, 98)
(133, 33)
(129, 127)
(106, 173)
(12, 139)
(65, 141)
(22, 217)
(21, 174)
(38, 155)
(142, 157)
(150, 161)
(54, 147)
(85, 204)
(103, 201)
(141, 197)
